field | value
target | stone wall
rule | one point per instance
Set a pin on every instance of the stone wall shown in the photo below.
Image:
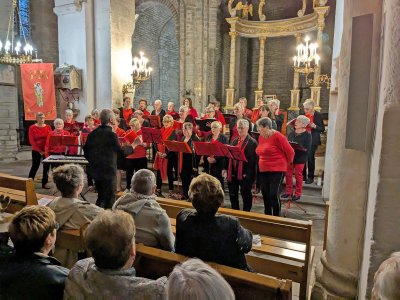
(9, 122)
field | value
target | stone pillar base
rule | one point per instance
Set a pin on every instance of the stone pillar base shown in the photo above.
(257, 95)
(333, 283)
(230, 96)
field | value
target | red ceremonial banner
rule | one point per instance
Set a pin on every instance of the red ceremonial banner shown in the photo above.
(38, 90)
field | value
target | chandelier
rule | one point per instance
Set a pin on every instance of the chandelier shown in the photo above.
(306, 61)
(140, 73)
(13, 50)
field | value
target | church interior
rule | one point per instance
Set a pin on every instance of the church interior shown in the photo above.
(330, 65)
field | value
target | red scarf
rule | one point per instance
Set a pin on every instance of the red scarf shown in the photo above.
(242, 146)
(159, 162)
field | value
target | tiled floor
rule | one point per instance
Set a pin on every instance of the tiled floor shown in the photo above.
(311, 201)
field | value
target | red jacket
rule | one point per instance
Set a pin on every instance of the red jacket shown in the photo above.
(275, 153)
(38, 136)
(140, 151)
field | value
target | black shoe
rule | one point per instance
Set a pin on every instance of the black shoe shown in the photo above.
(310, 180)
(285, 196)
(295, 198)
(159, 194)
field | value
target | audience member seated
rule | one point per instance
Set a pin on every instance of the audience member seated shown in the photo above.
(387, 279)
(71, 212)
(153, 227)
(31, 273)
(209, 236)
(193, 279)
(109, 274)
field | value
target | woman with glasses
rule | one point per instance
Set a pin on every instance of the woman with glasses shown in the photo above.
(238, 111)
(166, 161)
(38, 133)
(213, 164)
(71, 212)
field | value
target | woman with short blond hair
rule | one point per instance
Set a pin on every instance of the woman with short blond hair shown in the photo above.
(207, 235)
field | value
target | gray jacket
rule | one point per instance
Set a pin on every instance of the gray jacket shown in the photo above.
(86, 281)
(153, 227)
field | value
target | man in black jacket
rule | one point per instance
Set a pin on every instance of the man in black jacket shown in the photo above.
(31, 273)
(101, 150)
(242, 174)
(316, 127)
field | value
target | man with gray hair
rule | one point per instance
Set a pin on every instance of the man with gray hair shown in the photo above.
(316, 127)
(101, 150)
(158, 110)
(153, 227)
(387, 279)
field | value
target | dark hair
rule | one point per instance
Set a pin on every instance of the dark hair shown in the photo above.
(190, 102)
(206, 194)
(125, 98)
(109, 239)
(143, 100)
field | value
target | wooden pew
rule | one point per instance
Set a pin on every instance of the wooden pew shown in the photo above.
(20, 190)
(154, 263)
(286, 250)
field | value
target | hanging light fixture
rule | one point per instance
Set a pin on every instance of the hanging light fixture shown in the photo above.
(140, 73)
(307, 60)
(14, 50)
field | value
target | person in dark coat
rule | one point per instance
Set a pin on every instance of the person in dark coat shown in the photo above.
(203, 233)
(158, 110)
(30, 273)
(242, 174)
(215, 165)
(101, 150)
(190, 161)
(238, 111)
(316, 127)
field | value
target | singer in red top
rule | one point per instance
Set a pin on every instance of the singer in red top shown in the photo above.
(137, 160)
(126, 111)
(143, 107)
(171, 111)
(58, 131)
(275, 153)
(38, 133)
(120, 158)
(192, 111)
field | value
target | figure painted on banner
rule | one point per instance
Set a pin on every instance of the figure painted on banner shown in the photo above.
(38, 90)
(316, 127)
(275, 154)
(166, 161)
(275, 114)
(171, 110)
(137, 160)
(215, 164)
(192, 111)
(190, 161)
(38, 134)
(302, 138)
(158, 110)
(58, 131)
(242, 174)
(126, 111)
(247, 111)
(143, 107)
(238, 111)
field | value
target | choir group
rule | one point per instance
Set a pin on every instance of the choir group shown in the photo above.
(257, 155)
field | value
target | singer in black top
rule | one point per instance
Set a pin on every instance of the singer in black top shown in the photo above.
(242, 174)
(190, 161)
(215, 165)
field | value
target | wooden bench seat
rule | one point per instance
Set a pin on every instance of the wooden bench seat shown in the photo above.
(285, 250)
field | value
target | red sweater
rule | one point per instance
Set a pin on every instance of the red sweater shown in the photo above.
(274, 153)
(38, 136)
(140, 151)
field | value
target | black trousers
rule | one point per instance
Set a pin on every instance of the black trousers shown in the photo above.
(132, 166)
(187, 175)
(36, 157)
(245, 190)
(270, 183)
(310, 163)
(105, 192)
(172, 169)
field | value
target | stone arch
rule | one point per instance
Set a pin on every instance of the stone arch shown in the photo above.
(172, 5)
(156, 34)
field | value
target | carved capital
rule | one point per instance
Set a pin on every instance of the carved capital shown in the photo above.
(233, 34)
(65, 7)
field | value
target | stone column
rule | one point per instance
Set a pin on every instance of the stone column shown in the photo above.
(293, 110)
(338, 272)
(316, 89)
(230, 91)
(259, 91)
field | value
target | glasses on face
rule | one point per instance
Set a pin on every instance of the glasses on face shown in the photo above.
(166, 122)
(214, 127)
